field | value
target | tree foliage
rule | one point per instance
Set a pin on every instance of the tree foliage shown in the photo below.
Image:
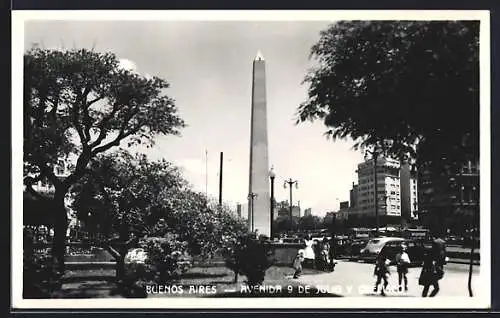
(411, 82)
(78, 104)
(310, 222)
(82, 103)
(121, 192)
(131, 194)
(251, 256)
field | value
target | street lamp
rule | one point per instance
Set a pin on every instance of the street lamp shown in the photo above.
(290, 182)
(251, 197)
(375, 154)
(272, 175)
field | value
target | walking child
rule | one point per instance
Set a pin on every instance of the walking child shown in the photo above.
(297, 263)
(381, 272)
(402, 264)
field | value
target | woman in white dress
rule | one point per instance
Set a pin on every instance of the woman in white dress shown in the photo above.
(309, 255)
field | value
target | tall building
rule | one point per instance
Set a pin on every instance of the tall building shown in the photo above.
(387, 188)
(307, 212)
(449, 198)
(344, 205)
(409, 192)
(296, 211)
(258, 196)
(353, 196)
(238, 210)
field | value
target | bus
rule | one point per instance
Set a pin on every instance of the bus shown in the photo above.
(360, 233)
(416, 234)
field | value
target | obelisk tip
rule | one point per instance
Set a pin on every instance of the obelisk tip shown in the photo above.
(259, 56)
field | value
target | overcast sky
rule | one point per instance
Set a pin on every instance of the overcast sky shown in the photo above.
(209, 65)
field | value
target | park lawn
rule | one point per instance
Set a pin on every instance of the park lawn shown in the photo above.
(199, 281)
(218, 281)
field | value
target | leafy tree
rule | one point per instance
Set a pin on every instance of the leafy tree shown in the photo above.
(284, 224)
(120, 195)
(331, 222)
(78, 104)
(310, 222)
(413, 83)
(252, 257)
(40, 279)
(132, 197)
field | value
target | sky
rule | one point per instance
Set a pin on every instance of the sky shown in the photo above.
(209, 67)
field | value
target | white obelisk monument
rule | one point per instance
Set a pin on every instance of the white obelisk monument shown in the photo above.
(259, 201)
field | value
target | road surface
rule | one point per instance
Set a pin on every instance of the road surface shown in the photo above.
(353, 279)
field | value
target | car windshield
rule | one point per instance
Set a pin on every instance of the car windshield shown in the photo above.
(374, 241)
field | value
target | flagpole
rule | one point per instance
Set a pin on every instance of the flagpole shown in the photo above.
(206, 173)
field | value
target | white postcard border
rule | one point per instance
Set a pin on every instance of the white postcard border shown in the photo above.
(482, 298)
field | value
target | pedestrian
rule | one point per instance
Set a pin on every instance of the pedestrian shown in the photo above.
(325, 257)
(297, 263)
(402, 264)
(332, 253)
(432, 271)
(309, 254)
(381, 271)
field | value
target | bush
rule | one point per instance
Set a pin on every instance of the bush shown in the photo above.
(250, 256)
(158, 260)
(40, 278)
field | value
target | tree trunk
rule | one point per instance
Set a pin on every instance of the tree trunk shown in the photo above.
(120, 268)
(235, 277)
(122, 249)
(60, 228)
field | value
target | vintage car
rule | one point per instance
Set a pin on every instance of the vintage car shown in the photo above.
(370, 252)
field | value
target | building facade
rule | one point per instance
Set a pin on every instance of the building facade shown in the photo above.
(307, 212)
(238, 210)
(387, 188)
(344, 205)
(296, 211)
(353, 196)
(449, 198)
(409, 192)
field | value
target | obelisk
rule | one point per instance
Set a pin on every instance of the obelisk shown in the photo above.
(258, 197)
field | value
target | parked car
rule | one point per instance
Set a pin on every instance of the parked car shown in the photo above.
(375, 245)
(415, 250)
(353, 249)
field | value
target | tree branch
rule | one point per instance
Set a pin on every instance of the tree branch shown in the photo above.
(81, 103)
(115, 142)
(104, 121)
(95, 100)
(81, 164)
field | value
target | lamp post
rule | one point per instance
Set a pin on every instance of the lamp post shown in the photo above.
(374, 154)
(251, 197)
(272, 175)
(290, 182)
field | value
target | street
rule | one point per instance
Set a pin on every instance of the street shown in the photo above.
(352, 279)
